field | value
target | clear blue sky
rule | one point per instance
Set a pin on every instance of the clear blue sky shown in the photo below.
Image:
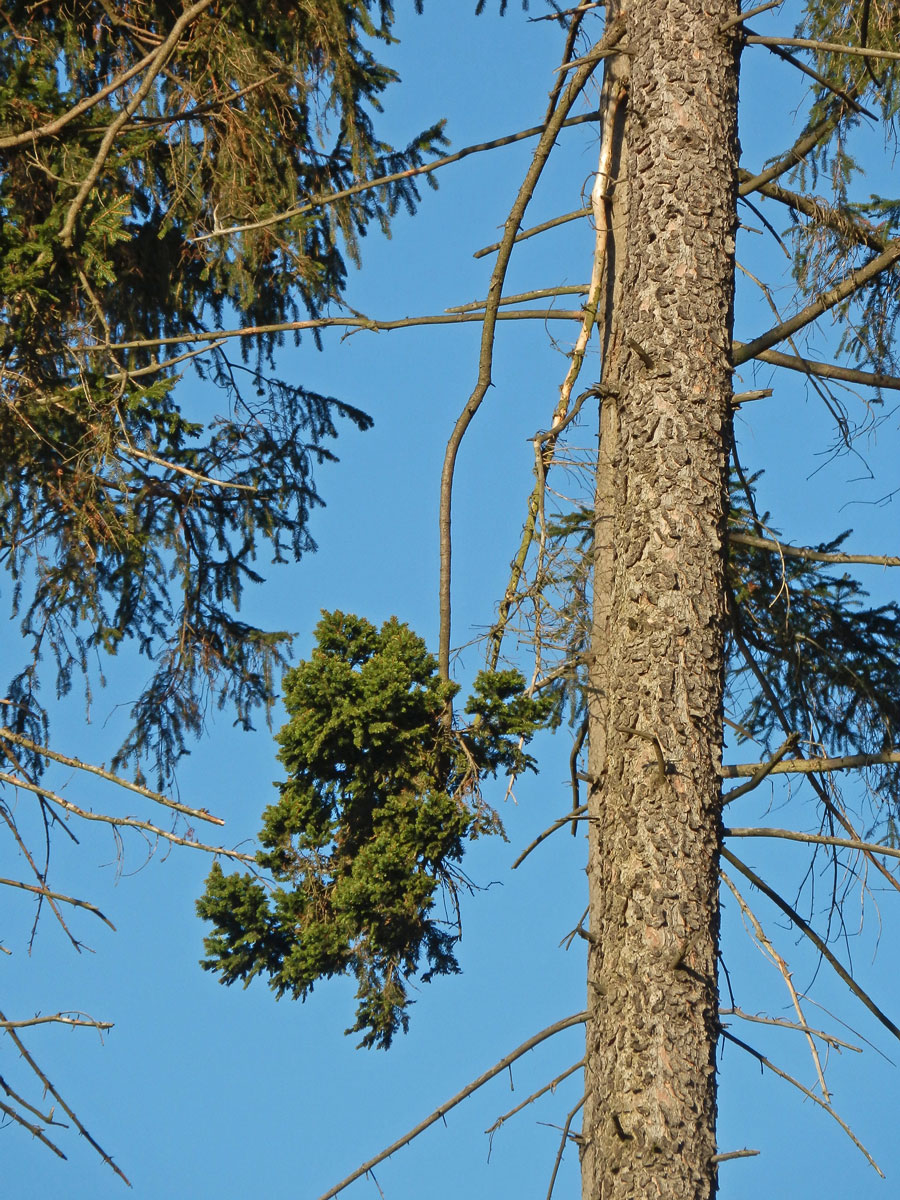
(202, 1091)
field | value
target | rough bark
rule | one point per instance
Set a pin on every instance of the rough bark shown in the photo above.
(657, 653)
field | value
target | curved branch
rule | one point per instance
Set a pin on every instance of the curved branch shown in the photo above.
(749, 539)
(609, 40)
(815, 839)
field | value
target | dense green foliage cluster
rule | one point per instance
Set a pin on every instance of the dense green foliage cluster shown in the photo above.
(366, 838)
(131, 135)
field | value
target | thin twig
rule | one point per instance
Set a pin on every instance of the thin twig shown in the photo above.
(809, 366)
(720, 1158)
(34, 1130)
(792, 913)
(814, 839)
(579, 289)
(58, 1019)
(548, 1087)
(536, 229)
(170, 466)
(439, 1113)
(827, 47)
(762, 769)
(562, 1143)
(44, 891)
(751, 12)
(577, 814)
(784, 1023)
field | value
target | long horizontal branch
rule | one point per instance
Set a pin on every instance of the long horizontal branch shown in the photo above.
(578, 289)
(320, 201)
(59, 1018)
(809, 366)
(122, 822)
(811, 766)
(815, 839)
(753, 39)
(527, 314)
(784, 1023)
(19, 739)
(840, 220)
(497, 1069)
(804, 552)
(851, 283)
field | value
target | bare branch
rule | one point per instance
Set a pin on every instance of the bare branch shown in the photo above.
(548, 1087)
(806, 1092)
(44, 891)
(802, 925)
(808, 766)
(580, 289)
(575, 815)
(123, 822)
(170, 466)
(749, 539)
(34, 1130)
(720, 1158)
(439, 1113)
(822, 80)
(333, 197)
(59, 1019)
(809, 366)
(19, 739)
(535, 229)
(753, 39)
(562, 1143)
(783, 1023)
(814, 839)
(751, 12)
(763, 769)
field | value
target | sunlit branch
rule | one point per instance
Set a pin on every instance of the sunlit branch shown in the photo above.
(82, 1022)
(809, 366)
(804, 552)
(575, 815)
(784, 1023)
(807, 141)
(773, 48)
(439, 1113)
(850, 284)
(538, 294)
(754, 39)
(48, 1087)
(34, 1130)
(562, 1143)
(841, 221)
(610, 40)
(536, 229)
(44, 891)
(761, 769)
(122, 822)
(170, 466)
(809, 766)
(751, 12)
(548, 1087)
(368, 185)
(815, 839)
(19, 739)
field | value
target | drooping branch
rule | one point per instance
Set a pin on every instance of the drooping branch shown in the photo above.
(19, 739)
(784, 1023)
(44, 891)
(761, 1058)
(548, 1087)
(773, 46)
(754, 39)
(840, 220)
(814, 839)
(806, 142)
(439, 1113)
(809, 366)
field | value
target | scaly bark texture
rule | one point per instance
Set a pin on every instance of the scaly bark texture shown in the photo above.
(657, 654)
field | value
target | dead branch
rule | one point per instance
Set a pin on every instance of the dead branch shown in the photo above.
(809, 366)
(562, 1143)
(439, 1113)
(804, 552)
(819, 944)
(720, 1158)
(59, 1019)
(44, 891)
(19, 739)
(751, 12)
(575, 815)
(783, 1023)
(806, 1092)
(536, 229)
(580, 289)
(808, 766)
(548, 1087)
(753, 39)
(762, 769)
(814, 839)
(370, 184)
(34, 1130)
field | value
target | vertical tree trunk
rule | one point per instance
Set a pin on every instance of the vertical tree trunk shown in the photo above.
(657, 653)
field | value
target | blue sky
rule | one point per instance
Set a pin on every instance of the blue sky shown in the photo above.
(202, 1091)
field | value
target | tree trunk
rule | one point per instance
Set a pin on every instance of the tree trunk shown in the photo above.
(659, 608)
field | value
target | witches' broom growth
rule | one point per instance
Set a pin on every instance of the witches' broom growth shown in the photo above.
(365, 841)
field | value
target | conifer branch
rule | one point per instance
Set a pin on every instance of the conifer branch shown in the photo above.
(774, 48)
(804, 552)
(575, 815)
(762, 769)
(840, 220)
(368, 185)
(807, 141)
(159, 58)
(171, 466)
(751, 12)
(850, 284)
(468, 1090)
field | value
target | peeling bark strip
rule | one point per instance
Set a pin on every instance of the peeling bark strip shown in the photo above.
(657, 655)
